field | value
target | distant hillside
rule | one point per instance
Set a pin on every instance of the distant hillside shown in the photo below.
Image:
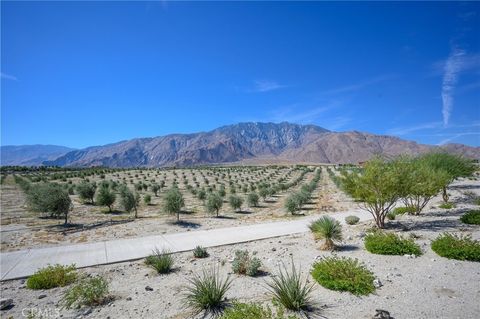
(252, 143)
(30, 155)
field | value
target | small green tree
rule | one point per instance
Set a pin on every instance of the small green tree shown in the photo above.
(235, 202)
(49, 198)
(202, 194)
(222, 192)
(86, 191)
(173, 202)
(155, 188)
(252, 199)
(105, 197)
(214, 203)
(147, 199)
(377, 188)
(129, 200)
(454, 166)
(263, 192)
(292, 203)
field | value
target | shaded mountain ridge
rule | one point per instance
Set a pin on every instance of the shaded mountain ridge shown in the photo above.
(252, 143)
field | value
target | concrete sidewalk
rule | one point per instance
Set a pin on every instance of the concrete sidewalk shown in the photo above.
(23, 263)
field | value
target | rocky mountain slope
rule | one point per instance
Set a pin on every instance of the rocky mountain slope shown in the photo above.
(252, 142)
(31, 155)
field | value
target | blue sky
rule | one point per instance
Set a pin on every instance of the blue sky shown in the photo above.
(91, 73)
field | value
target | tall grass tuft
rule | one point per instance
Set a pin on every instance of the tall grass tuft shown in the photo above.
(288, 289)
(328, 229)
(206, 292)
(162, 261)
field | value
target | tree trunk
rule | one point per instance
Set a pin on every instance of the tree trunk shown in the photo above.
(66, 219)
(178, 217)
(445, 195)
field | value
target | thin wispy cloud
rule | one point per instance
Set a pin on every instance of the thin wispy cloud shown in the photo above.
(357, 86)
(8, 76)
(266, 86)
(452, 68)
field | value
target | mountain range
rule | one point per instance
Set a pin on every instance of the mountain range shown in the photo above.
(253, 143)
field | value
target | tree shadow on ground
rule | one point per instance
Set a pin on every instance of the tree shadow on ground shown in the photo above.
(186, 224)
(78, 227)
(446, 213)
(432, 225)
(270, 201)
(347, 248)
(115, 212)
(225, 217)
(464, 187)
(244, 212)
(187, 212)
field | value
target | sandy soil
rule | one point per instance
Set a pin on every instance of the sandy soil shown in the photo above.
(428, 286)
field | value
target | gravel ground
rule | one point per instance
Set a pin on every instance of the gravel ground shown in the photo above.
(428, 286)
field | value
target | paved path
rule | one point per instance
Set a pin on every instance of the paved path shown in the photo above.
(23, 263)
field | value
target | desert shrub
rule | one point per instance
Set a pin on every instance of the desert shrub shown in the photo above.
(162, 261)
(288, 289)
(447, 205)
(352, 220)
(390, 244)
(90, 291)
(253, 311)
(476, 201)
(243, 264)
(207, 292)
(52, 276)
(344, 274)
(403, 210)
(472, 217)
(200, 252)
(457, 247)
(327, 228)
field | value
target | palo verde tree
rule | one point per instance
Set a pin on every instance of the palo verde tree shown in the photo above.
(377, 187)
(86, 191)
(105, 197)
(49, 198)
(214, 203)
(454, 166)
(173, 202)
(419, 182)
